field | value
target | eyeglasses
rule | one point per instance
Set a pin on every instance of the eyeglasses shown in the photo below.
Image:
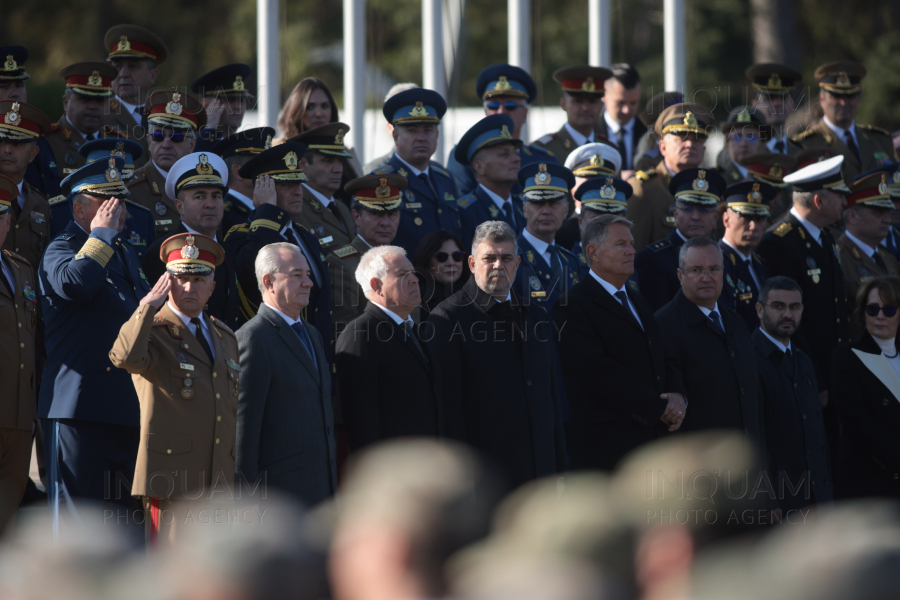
(703, 210)
(442, 257)
(889, 310)
(159, 136)
(509, 105)
(748, 137)
(712, 271)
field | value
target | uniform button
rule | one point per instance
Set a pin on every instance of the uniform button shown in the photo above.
(214, 375)
(21, 366)
(742, 391)
(108, 369)
(169, 451)
(217, 440)
(839, 340)
(16, 305)
(17, 228)
(23, 345)
(795, 385)
(439, 211)
(808, 450)
(528, 383)
(825, 481)
(896, 475)
(218, 396)
(20, 326)
(218, 417)
(184, 345)
(332, 341)
(838, 320)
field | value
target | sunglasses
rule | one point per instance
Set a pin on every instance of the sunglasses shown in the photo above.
(457, 256)
(873, 309)
(750, 137)
(158, 136)
(509, 105)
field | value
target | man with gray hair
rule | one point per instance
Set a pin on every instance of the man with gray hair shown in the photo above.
(494, 365)
(622, 393)
(384, 377)
(285, 420)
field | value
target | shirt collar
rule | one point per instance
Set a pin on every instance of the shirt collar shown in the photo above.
(326, 201)
(192, 230)
(365, 241)
(21, 187)
(81, 133)
(394, 316)
(706, 312)
(613, 126)
(607, 285)
(778, 344)
(867, 249)
(745, 258)
(841, 132)
(286, 318)
(132, 108)
(681, 235)
(812, 229)
(539, 245)
(165, 174)
(248, 202)
(497, 199)
(579, 139)
(414, 170)
(184, 318)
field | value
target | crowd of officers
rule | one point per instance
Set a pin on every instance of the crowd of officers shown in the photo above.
(112, 216)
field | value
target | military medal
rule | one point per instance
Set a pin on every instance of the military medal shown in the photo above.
(180, 356)
(186, 393)
(417, 220)
(813, 271)
(319, 229)
(188, 382)
(160, 208)
(535, 282)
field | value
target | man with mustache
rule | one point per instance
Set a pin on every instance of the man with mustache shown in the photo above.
(494, 365)
(795, 430)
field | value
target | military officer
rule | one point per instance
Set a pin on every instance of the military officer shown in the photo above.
(136, 54)
(490, 151)
(745, 132)
(647, 147)
(88, 89)
(587, 162)
(327, 217)
(771, 168)
(18, 324)
(91, 283)
(42, 172)
(868, 222)
(864, 147)
(277, 177)
(892, 240)
(603, 195)
(547, 271)
(620, 122)
(745, 219)
(236, 150)
(582, 100)
(504, 90)
(185, 367)
(172, 120)
(376, 212)
(696, 193)
(20, 127)
(682, 131)
(772, 84)
(430, 200)
(224, 93)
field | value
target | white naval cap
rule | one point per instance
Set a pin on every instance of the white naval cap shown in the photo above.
(594, 160)
(822, 175)
(198, 169)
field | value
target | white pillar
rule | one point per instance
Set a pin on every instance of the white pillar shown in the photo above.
(433, 76)
(267, 47)
(518, 21)
(675, 45)
(600, 33)
(354, 112)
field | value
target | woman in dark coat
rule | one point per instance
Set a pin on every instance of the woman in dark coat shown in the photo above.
(866, 392)
(441, 267)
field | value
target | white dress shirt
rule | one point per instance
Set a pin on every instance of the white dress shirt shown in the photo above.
(542, 247)
(248, 202)
(162, 172)
(21, 196)
(778, 344)
(193, 328)
(814, 231)
(326, 201)
(771, 144)
(394, 316)
(842, 133)
(579, 139)
(286, 318)
(747, 259)
(706, 312)
(497, 199)
(81, 133)
(612, 292)
(414, 170)
(133, 109)
(867, 249)
(613, 126)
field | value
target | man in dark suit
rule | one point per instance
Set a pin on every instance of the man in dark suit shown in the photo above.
(493, 359)
(711, 346)
(622, 393)
(285, 421)
(383, 374)
(622, 93)
(795, 430)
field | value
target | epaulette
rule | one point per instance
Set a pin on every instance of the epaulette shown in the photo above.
(384, 170)
(240, 228)
(802, 136)
(545, 139)
(64, 236)
(56, 200)
(645, 175)
(876, 129)
(661, 245)
(567, 252)
(345, 251)
(110, 131)
(466, 200)
(158, 320)
(438, 168)
(137, 179)
(53, 127)
(17, 257)
(783, 229)
(222, 326)
(136, 205)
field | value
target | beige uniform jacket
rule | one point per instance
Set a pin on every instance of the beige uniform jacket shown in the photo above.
(18, 324)
(29, 235)
(651, 206)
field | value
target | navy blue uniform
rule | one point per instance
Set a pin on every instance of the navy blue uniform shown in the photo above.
(477, 207)
(207, 138)
(43, 173)
(465, 178)
(236, 212)
(892, 241)
(535, 282)
(140, 229)
(656, 270)
(425, 208)
(740, 292)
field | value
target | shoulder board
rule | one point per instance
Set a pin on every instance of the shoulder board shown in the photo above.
(242, 228)
(64, 236)
(545, 139)
(17, 257)
(56, 200)
(645, 175)
(876, 129)
(301, 226)
(222, 326)
(466, 200)
(53, 127)
(783, 229)
(567, 253)
(137, 179)
(345, 251)
(439, 169)
(661, 245)
(33, 190)
(158, 320)
(384, 170)
(803, 136)
(136, 205)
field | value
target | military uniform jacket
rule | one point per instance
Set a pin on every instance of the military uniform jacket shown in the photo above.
(858, 268)
(651, 207)
(139, 226)
(656, 270)
(893, 241)
(64, 141)
(740, 292)
(43, 173)
(121, 119)
(236, 211)
(535, 283)
(188, 405)
(795, 429)
(421, 212)
(18, 326)
(318, 219)
(29, 235)
(90, 285)
(465, 178)
(560, 144)
(789, 250)
(245, 241)
(148, 188)
(637, 133)
(875, 147)
(477, 207)
(347, 299)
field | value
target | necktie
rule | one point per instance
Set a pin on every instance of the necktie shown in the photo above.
(852, 145)
(427, 181)
(623, 298)
(410, 334)
(332, 206)
(788, 360)
(201, 339)
(90, 137)
(825, 239)
(620, 142)
(300, 329)
(779, 146)
(714, 316)
(507, 214)
(555, 265)
(880, 262)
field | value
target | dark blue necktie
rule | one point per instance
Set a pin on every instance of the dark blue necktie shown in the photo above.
(508, 214)
(623, 298)
(555, 265)
(716, 321)
(426, 179)
(300, 329)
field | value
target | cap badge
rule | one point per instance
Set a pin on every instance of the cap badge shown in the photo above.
(543, 177)
(597, 161)
(189, 251)
(774, 81)
(204, 168)
(882, 187)
(502, 84)
(504, 133)
(10, 64)
(755, 196)
(339, 138)
(700, 184)
(744, 116)
(290, 160)
(690, 120)
(174, 107)
(776, 172)
(12, 116)
(95, 80)
(896, 177)
(382, 191)
(842, 79)
(124, 44)
(608, 191)
(419, 110)
(119, 151)
(112, 173)
(239, 84)
(268, 142)
(588, 85)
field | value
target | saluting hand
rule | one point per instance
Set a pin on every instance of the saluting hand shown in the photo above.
(675, 410)
(157, 296)
(109, 214)
(264, 191)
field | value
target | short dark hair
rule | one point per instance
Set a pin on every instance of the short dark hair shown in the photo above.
(626, 75)
(778, 283)
(697, 242)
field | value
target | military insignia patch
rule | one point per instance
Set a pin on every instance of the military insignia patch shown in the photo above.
(28, 292)
(783, 229)
(160, 208)
(529, 257)
(345, 251)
